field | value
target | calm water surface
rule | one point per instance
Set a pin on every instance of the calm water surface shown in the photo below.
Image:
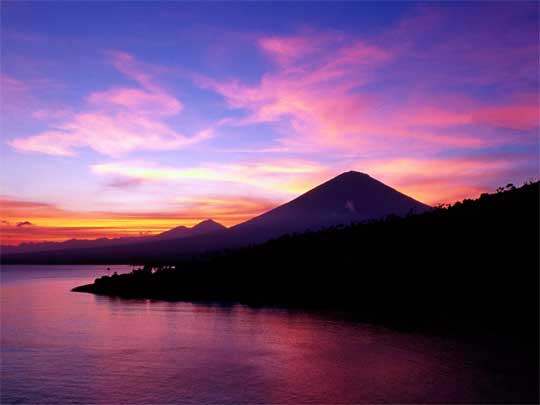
(64, 347)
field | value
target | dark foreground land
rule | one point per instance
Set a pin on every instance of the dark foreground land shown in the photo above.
(470, 271)
(473, 265)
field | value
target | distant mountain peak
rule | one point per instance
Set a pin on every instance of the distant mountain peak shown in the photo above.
(207, 221)
(352, 173)
(208, 224)
(179, 227)
(350, 176)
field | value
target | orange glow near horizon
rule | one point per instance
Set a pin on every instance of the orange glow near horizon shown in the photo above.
(135, 136)
(24, 221)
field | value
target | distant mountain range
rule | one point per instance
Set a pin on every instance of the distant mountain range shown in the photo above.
(349, 197)
(179, 232)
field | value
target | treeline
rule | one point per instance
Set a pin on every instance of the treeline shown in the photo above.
(474, 264)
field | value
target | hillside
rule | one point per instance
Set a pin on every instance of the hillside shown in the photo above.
(474, 263)
(349, 197)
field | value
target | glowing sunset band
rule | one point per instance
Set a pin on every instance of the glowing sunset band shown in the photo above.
(24, 221)
(144, 134)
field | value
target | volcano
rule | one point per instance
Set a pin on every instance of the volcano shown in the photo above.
(348, 198)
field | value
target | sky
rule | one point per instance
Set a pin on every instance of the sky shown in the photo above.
(130, 118)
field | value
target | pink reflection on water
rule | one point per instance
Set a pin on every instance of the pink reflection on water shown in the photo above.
(59, 346)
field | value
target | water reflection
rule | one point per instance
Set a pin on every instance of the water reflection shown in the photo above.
(62, 347)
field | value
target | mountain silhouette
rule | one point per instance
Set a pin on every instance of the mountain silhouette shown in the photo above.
(467, 268)
(349, 197)
(206, 226)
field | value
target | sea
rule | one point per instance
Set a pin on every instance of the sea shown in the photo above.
(64, 347)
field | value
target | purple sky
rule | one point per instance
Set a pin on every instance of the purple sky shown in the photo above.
(123, 118)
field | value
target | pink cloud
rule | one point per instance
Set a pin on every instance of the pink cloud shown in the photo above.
(142, 101)
(275, 177)
(322, 109)
(58, 113)
(312, 88)
(11, 84)
(443, 180)
(519, 116)
(129, 66)
(285, 50)
(440, 45)
(49, 142)
(115, 121)
(15, 94)
(315, 95)
(108, 134)
(431, 180)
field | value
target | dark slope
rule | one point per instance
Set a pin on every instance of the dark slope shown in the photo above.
(475, 263)
(469, 272)
(349, 197)
(206, 226)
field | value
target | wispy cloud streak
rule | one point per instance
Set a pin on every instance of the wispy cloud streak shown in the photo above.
(117, 121)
